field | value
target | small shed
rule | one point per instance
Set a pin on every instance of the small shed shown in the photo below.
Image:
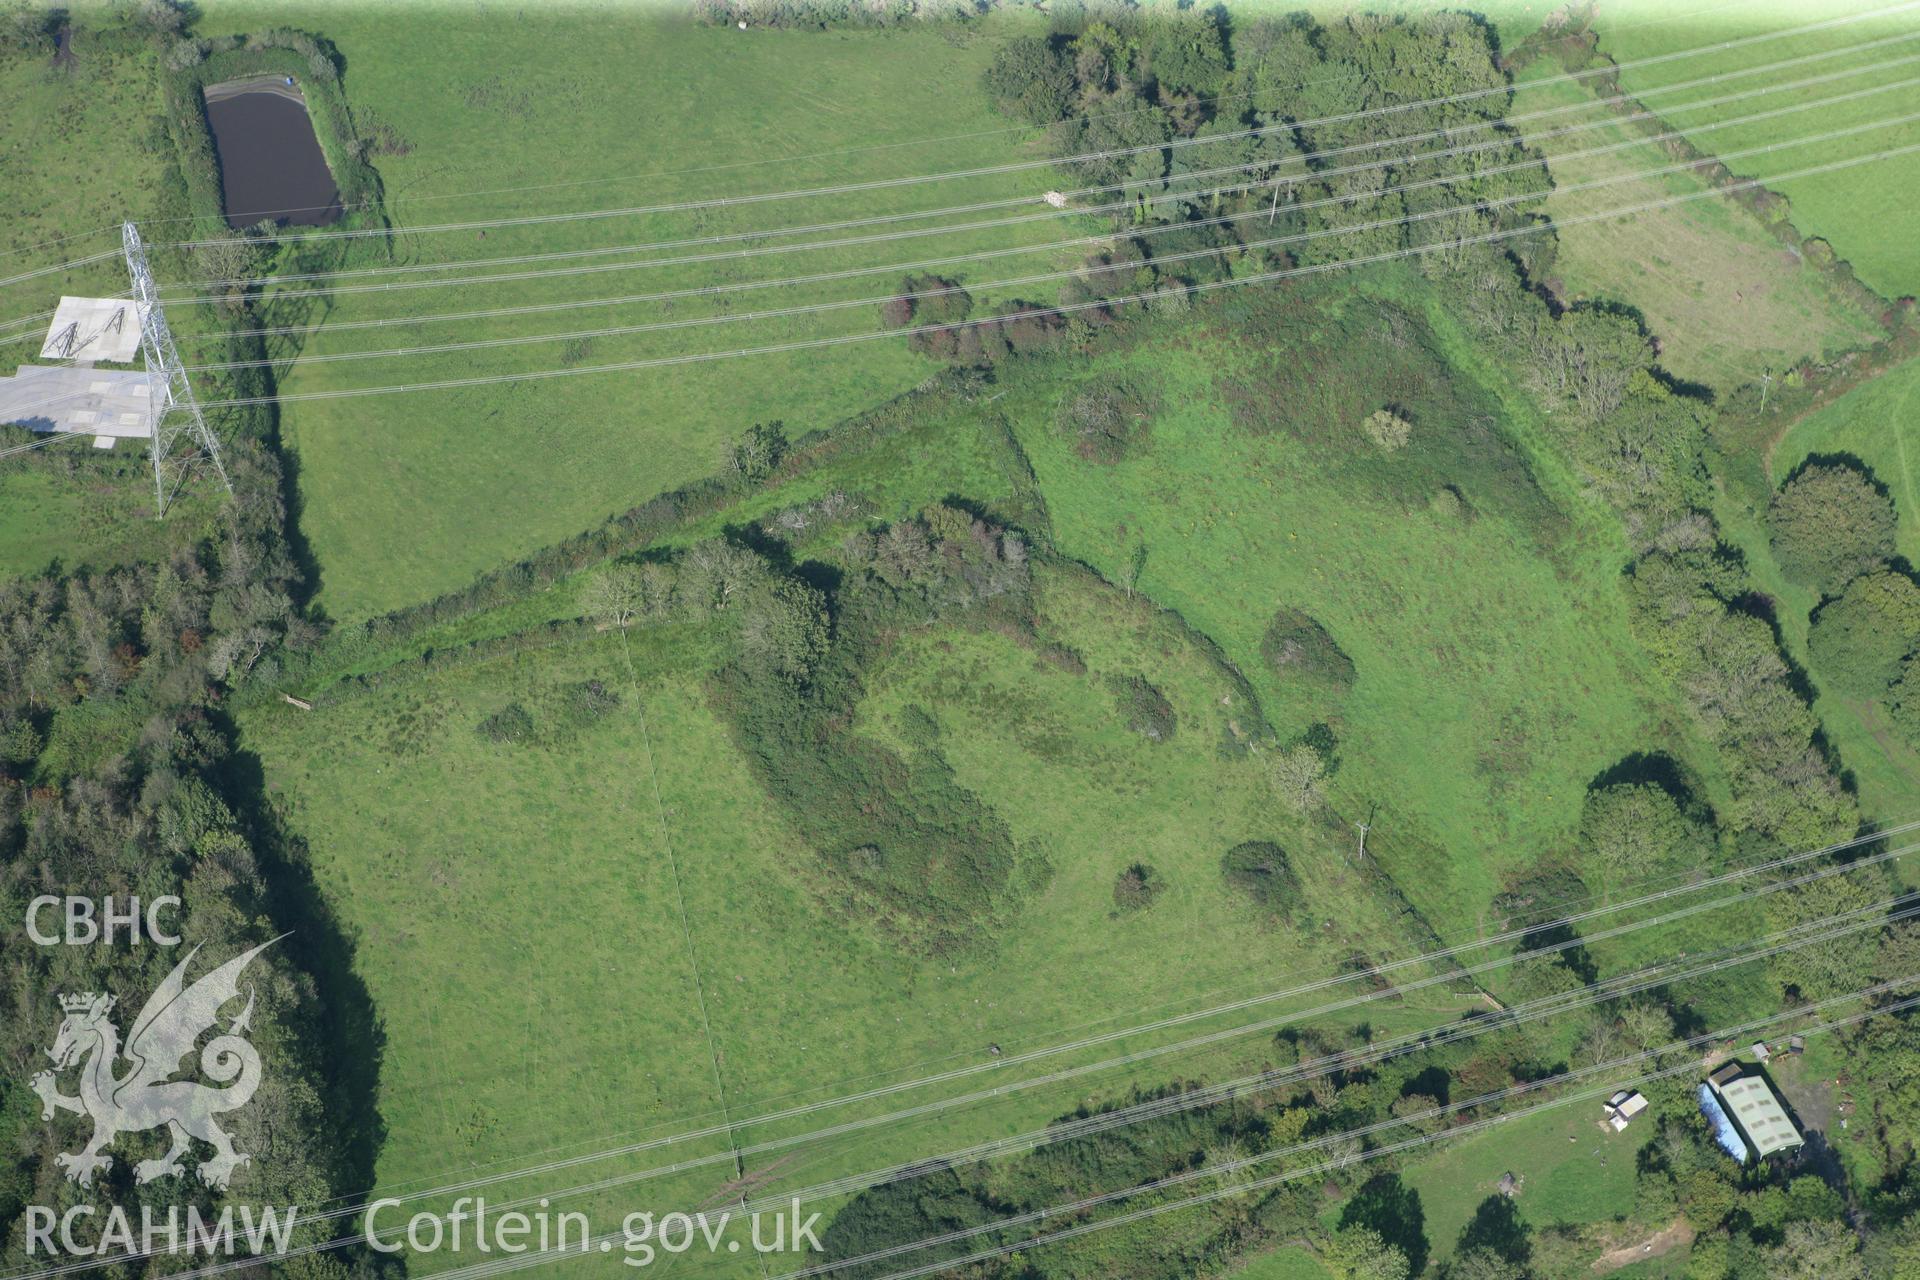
(1623, 1106)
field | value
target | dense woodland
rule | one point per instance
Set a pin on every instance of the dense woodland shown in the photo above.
(117, 777)
(118, 769)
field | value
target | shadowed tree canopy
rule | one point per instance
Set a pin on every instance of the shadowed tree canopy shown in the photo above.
(1860, 640)
(1636, 829)
(1386, 1205)
(1260, 869)
(1831, 522)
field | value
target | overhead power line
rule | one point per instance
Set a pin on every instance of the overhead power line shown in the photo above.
(712, 168)
(335, 325)
(1610, 1069)
(33, 321)
(1145, 184)
(1560, 915)
(941, 140)
(1529, 161)
(1100, 269)
(1810, 934)
(1498, 962)
(1814, 932)
(55, 270)
(43, 442)
(1346, 1060)
(1503, 87)
(1267, 277)
(1207, 1040)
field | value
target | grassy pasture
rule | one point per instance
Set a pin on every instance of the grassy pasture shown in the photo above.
(1574, 1170)
(1726, 301)
(1863, 212)
(89, 159)
(890, 474)
(1496, 678)
(96, 154)
(406, 496)
(95, 110)
(395, 794)
(99, 512)
(1290, 1263)
(1255, 489)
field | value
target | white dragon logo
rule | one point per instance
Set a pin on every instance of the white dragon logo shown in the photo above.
(146, 1097)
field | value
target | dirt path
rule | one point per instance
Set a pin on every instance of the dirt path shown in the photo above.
(1676, 1235)
(1894, 750)
(1900, 419)
(1874, 368)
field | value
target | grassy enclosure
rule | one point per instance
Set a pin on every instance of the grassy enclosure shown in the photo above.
(651, 795)
(1281, 1264)
(1258, 491)
(396, 786)
(1726, 301)
(1574, 1172)
(1219, 582)
(472, 477)
(1857, 210)
(96, 107)
(89, 511)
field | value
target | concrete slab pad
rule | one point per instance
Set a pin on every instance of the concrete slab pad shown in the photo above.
(93, 329)
(111, 403)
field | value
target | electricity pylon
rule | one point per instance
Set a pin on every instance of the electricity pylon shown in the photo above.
(175, 414)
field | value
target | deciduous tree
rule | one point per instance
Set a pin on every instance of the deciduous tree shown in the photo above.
(1633, 830)
(1861, 639)
(615, 595)
(1296, 775)
(1831, 523)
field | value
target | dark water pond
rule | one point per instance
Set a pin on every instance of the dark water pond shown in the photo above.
(271, 165)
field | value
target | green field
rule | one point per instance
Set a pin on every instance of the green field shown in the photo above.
(1485, 631)
(95, 514)
(97, 110)
(595, 900)
(1573, 1171)
(1282, 1264)
(396, 795)
(1724, 299)
(408, 496)
(1858, 210)
(88, 508)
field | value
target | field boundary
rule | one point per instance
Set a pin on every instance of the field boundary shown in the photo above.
(1577, 48)
(1764, 414)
